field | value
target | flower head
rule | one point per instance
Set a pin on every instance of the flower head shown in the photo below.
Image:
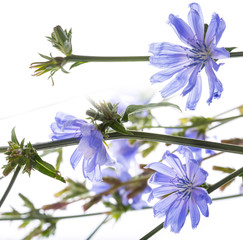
(91, 148)
(179, 190)
(185, 64)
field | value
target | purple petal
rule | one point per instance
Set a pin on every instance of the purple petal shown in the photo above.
(166, 48)
(176, 215)
(75, 158)
(165, 74)
(158, 178)
(194, 213)
(162, 206)
(177, 83)
(195, 19)
(202, 199)
(199, 177)
(169, 60)
(215, 30)
(195, 94)
(175, 163)
(162, 168)
(215, 86)
(192, 79)
(219, 53)
(182, 29)
(163, 190)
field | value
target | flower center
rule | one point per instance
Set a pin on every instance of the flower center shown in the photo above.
(184, 186)
(199, 53)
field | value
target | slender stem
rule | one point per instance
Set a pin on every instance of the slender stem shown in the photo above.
(236, 54)
(177, 140)
(10, 185)
(227, 111)
(97, 228)
(146, 137)
(80, 58)
(216, 154)
(225, 180)
(151, 233)
(227, 197)
(53, 218)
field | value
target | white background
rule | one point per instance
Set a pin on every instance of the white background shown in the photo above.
(107, 27)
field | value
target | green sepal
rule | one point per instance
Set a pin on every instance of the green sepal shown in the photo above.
(14, 137)
(230, 49)
(119, 128)
(131, 109)
(47, 169)
(76, 64)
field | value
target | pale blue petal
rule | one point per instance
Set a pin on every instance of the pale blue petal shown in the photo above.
(175, 163)
(215, 86)
(161, 207)
(195, 19)
(202, 199)
(192, 79)
(75, 158)
(164, 189)
(194, 213)
(219, 53)
(192, 167)
(176, 215)
(158, 178)
(165, 74)
(167, 48)
(215, 30)
(176, 84)
(199, 177)
(169, 60)
(195, 94)
(162, 168)
(182, 29)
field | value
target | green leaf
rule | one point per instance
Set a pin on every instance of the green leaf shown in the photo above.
(131, 109)
(47, 169)
(27, 202)
(14, 137)
(76, 64)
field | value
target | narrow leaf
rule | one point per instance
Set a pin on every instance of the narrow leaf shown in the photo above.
(47, 169)
(119, 128)
(27, 202)
(14, 137)
(76, 64)
(131, 109)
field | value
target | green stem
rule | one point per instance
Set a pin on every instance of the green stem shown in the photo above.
(97, 228)
(43, 217)
(236, 54)
(151, 233)
(80, 58)
(227, 197)
(225, 180)
(146, 137)
(10, 185)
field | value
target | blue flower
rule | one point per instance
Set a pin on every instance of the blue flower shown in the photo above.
(179, 190)
(91, 148)
(185, 64)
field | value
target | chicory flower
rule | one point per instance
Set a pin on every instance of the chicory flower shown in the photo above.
(179, 190)
(91, 148)
(184, 64)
